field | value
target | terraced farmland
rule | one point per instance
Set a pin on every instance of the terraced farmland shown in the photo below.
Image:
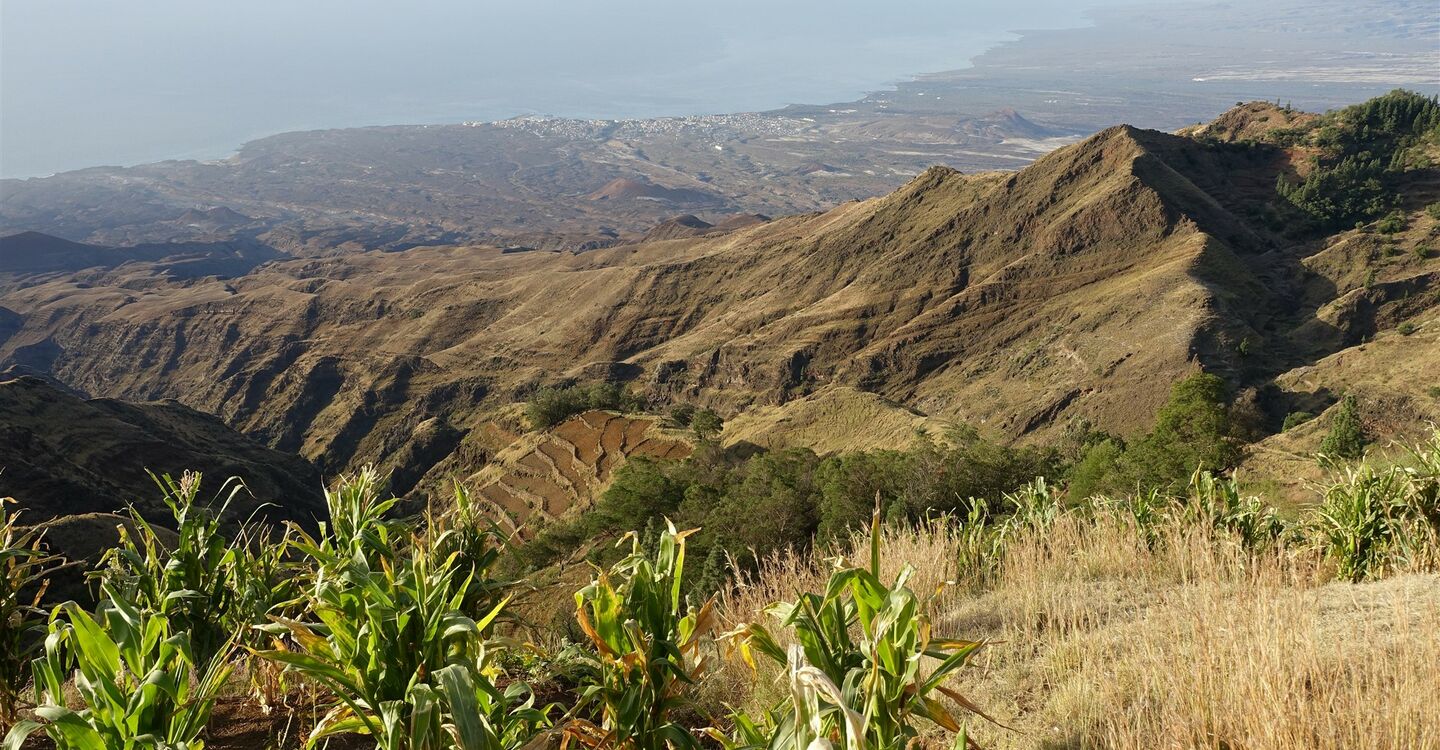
(548, 473)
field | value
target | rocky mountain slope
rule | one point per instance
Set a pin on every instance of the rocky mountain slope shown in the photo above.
(63, 455)
(1080, 286)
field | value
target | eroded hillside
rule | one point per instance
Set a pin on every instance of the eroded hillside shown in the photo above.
(1081, 286)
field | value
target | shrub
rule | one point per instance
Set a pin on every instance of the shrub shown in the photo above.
(1097, 469)
(682, 414)
(1406, 328)
(1295, 419)
(1392, 223)
(782, 498)
(1339, 195)
(137, 678)
(643, 489)
(771, 502)
(1433, 209)
(25, 571)
(1191, 431)
(1363, 145)
(1346, 438)
(943, 480)
(851, 484)
(647, 650)
(551, 406)
(706, 424)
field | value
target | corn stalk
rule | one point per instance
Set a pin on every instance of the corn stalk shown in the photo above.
(647, 650)
(138, 681)
(882, 676)
(25, 571)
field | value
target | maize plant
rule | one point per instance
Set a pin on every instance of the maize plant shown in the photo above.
(138, 681)
(1035, 506)
(408, 667)
(870, 643)
(802, 722)
(981, 548)
(1372, 520)
(1417, 545)
(479, 716)
(477, 542)
(1358, 518)
(193, 582)
(357, 526)
(648, 649)
(25, 571)
(1145, 510)
(268, 583)
(1219, 504)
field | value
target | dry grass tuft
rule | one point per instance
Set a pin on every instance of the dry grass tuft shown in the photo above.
(1106, 636)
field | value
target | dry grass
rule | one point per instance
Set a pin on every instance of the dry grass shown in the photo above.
(1101, 639)
(833, 419)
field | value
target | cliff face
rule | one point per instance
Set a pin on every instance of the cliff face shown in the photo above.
(1081, 286)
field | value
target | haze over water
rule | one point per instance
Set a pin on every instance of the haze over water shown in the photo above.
(93, 82)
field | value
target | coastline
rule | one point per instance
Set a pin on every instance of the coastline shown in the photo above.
(839, 93)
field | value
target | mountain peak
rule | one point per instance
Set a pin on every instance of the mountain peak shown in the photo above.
(640, 188)
(1250, 121)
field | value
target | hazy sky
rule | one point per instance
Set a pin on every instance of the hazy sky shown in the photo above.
(89, 82)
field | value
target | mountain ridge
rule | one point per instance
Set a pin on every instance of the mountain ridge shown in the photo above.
(1077, 288)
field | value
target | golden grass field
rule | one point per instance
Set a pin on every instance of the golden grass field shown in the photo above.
(1098, 640)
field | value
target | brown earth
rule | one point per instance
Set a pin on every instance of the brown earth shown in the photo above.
(72, 464)
(1081, 286)
(831, 420)
(690, 225)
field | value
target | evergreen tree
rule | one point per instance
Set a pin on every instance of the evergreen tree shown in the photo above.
(1346, 438)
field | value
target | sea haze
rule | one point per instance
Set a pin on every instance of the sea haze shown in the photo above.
(92, 82)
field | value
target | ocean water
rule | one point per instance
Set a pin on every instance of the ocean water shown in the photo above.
(95, 82)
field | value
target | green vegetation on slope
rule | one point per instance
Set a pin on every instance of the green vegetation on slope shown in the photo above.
(750, 507)
(1360, 149)
(1346, 438)
(1193, 430)
(548, 406)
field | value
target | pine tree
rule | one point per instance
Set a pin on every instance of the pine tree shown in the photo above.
(650, 536)
(1346, 438)
(714, 574)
